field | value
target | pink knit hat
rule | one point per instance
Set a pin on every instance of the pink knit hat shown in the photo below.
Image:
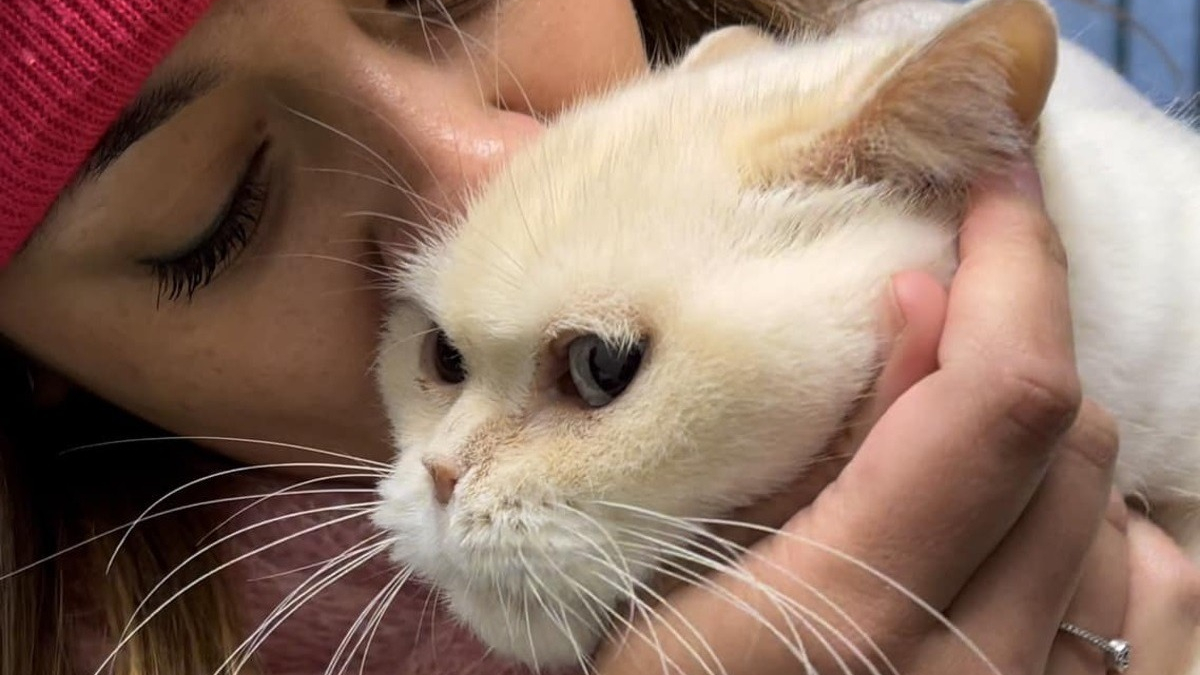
(67, 69)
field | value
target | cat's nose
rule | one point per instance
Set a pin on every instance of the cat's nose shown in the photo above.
(445, 478)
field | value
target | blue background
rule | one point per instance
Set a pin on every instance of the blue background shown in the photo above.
(1168, 73)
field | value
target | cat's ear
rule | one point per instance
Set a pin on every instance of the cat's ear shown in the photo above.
(962, 103)
(724, 43)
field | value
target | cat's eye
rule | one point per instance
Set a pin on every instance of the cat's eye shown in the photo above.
(600, 371)
(447, 360)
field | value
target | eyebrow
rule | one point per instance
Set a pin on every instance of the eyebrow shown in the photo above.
(150, 110)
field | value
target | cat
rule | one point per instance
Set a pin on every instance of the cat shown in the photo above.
(669, 304)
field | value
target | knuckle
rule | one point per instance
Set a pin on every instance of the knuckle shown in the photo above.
(1042, 400)
(1189, 576)
(1191, 594)
(1094, 435)
(1052, 244)
(1182, 576)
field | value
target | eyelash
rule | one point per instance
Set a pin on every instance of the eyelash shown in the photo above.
(183, 274)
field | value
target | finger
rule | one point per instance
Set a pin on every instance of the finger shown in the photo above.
(1163, 620)
(1005, 392)
(919, 307)
(1007, 231)
(1014, 603)
(1100, 600)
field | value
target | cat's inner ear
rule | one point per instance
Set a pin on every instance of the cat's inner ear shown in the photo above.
(962, 103)
(725, 43)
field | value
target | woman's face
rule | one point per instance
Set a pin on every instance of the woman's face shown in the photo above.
(215, 276)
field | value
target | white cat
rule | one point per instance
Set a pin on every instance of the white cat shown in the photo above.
(668, 305)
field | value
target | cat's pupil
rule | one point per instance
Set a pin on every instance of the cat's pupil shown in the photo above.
(447, 360)
(600, 370)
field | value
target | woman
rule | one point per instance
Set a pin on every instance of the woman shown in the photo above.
(194, 199)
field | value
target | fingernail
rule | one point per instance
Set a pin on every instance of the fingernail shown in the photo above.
(1117, 512)
(896, 319)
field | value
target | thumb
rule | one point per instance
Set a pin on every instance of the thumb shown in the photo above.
(916, 314)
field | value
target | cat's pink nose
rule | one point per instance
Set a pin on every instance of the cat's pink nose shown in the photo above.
(445, 477)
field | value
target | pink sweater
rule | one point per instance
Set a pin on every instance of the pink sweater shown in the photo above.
(67, 68)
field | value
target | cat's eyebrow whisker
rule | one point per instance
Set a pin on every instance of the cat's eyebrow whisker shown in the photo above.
(406, 190)
(376, 288)
(462, 40)
(374, 270)
(334, 570)
(390, 170)
(426, 228)
(378, 158)
(464, 35)
(517, 267)
(128, 635)
(396, 344)
(419, 334)
(512, 181)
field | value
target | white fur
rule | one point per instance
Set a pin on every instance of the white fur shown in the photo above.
(631, 218)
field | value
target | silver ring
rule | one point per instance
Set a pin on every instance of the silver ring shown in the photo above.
(1116, 651)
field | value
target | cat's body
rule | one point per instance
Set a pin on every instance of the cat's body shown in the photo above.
(1122, 184)
(727, 228)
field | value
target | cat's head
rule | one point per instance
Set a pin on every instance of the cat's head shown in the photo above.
(669, 306)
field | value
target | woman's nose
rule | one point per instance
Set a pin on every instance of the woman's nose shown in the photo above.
(442, 131)
(463, 151)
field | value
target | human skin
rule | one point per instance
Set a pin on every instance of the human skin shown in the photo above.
(279, 345)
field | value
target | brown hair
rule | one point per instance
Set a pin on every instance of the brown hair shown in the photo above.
(51, 498)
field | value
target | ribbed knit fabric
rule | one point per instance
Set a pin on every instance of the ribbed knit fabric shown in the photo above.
(67, 69)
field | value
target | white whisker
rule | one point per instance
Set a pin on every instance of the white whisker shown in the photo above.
(212, 476)
(341, 565)
(128, 635)
(289, 490)
(357, 512)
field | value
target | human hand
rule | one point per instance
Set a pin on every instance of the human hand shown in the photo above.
(980, 490)
(1162, 619)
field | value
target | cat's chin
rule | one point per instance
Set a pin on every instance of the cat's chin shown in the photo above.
(529, 634)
